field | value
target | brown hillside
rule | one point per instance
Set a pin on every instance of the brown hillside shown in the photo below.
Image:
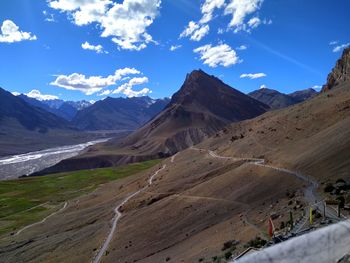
(202, 106)
(200, 200)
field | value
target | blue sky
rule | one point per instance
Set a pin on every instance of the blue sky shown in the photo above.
(282, 44)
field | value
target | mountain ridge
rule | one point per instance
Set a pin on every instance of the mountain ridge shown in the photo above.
(340, 72)
(278, 100)
(63, 109)
(202, 106)
(118, 113)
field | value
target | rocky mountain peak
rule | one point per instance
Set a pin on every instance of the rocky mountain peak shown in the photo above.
(340, 73)
(199, 86)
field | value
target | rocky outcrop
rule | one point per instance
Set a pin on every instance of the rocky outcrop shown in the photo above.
(340, 73)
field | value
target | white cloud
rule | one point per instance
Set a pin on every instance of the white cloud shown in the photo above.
(267, 21)
(192, 26)
(263, 86)
(208, 9)
(127, 90)
(105, 92)
(200, 33)
(221, 31)
(253, 75)
(316, 87)
(242, 47)
(240, 9)
(197, 31)
(119, 73)
(221, 55)
(82, 12)
(36, 94)
(254, 22)
(98, 48)
(80, 82)
(93, 84)
(10, 33)
(125, 22)
(174, 47)
(333, 43)
(48, 16)
(340, 47)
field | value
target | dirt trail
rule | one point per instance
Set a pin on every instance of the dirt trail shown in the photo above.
(309, 192)
(118, 215)
(42, 221)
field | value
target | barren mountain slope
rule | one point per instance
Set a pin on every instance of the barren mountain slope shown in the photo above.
(196, 204)
(201, 200)
(313, 136)
(273, 98)
(202, 106)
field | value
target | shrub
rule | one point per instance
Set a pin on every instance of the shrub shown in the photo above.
(258, 242)
(340, 180)
(318, 215)
(282, 225)
(229, 244)
(228, 255)
(329, 188)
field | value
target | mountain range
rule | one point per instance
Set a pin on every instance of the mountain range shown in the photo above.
(202, 106)
(118, 113)
(63, 109)
(28, 124)
(14, 109)
(278, 100)
(27, 128)
(213, 199)
(106, 114)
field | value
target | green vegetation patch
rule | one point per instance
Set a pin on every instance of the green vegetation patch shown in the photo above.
(28, 200)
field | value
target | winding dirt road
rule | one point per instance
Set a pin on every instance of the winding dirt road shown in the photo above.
(309, 192)
(118, 214)
(42, 221)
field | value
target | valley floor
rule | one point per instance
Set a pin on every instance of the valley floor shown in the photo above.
(199, 208)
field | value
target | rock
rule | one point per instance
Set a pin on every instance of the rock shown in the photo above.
(340, 73)
(345, 259)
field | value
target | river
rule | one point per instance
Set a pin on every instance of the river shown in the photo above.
(11, 167)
